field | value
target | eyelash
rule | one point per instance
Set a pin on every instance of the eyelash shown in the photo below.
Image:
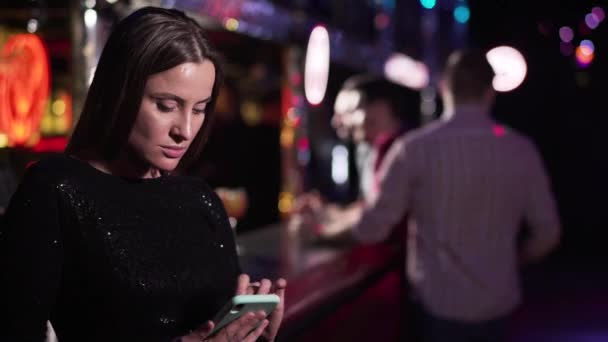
(166, 109)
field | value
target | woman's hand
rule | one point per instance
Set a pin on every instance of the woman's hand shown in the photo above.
(246, 328)
(241, 330)
(265, 286)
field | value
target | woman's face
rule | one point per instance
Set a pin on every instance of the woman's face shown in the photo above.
(171, 113)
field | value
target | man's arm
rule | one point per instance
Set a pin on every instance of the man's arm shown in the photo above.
(396, 177)
(540, 212)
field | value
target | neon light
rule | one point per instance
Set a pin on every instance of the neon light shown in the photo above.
(24, 87)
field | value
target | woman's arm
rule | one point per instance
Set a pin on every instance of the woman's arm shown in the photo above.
(31, 258)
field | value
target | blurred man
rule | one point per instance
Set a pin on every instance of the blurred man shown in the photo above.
(466, 183)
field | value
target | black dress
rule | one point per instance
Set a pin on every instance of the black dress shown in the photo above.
(106, 258)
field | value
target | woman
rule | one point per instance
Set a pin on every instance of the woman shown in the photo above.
(103, 241)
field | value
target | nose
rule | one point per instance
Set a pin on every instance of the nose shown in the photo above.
(182, 127)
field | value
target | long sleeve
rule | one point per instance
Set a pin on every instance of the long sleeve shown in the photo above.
(540, 212)
(386, 209)
(31, 257)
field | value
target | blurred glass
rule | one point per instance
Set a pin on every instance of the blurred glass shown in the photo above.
(235, 201)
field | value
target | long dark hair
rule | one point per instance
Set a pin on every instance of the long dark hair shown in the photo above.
(149, 41)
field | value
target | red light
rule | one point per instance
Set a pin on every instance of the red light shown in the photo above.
(303, 144)
(56, 144)
(499, 131)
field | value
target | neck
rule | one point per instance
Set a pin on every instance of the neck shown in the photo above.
(125, 165)
(465, 108)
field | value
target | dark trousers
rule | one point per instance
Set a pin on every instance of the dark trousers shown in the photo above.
(425, 327)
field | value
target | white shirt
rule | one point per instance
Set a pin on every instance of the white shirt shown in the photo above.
(467, 184)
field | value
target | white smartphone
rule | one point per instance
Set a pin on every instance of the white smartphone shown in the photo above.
(242, 304)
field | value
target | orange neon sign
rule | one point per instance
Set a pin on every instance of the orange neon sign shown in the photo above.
(24, 87)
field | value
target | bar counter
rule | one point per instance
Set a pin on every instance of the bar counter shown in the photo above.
(322, 278)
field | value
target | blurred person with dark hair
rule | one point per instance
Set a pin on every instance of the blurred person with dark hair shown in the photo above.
(105, 240)
(466, 184)
(386, 112)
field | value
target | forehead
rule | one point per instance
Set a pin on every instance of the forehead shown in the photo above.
(190, 81)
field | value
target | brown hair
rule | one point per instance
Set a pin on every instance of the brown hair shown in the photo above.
(149, 41)
(468, 75)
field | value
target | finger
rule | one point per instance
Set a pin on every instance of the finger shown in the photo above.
(242, 284)
(253, 287)
(265, 286)
(279, 290)
(240, 327)
(280, 284)
(205, 330)
(254, 335)
(255, 321)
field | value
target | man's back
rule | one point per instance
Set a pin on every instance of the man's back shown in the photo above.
(476, 183)
(467, 185)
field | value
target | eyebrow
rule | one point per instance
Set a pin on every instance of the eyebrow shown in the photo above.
(175, 97)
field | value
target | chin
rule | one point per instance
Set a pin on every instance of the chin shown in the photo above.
(166, 164)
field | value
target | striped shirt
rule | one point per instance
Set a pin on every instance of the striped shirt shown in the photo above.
(466, 184)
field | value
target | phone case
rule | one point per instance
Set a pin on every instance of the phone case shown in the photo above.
(242, 304)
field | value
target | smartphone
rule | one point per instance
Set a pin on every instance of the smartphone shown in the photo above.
(242, 304)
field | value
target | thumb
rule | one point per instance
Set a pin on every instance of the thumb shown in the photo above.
(205, 330)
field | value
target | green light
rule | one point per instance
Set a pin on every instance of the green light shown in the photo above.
(429, 4)
(462, 14)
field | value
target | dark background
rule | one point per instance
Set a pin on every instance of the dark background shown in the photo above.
(560, 106)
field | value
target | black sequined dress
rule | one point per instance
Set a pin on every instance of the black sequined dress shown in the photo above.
(106, 258)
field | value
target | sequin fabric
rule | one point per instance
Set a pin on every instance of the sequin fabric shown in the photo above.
(111, 259)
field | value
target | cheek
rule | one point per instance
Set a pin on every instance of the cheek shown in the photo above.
(199, 124)
(147, 126)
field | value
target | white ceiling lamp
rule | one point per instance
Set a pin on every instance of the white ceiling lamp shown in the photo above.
(509, 66)
(316, 68)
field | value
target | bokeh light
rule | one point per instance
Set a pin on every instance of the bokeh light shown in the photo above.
(339, 164)
(381, 21)
(599, 13)
(406, 71)
(462, 14)
(588, 46)
(90, 18)
(428, 4)
(584, 55)
(316, 68)
(566, 34)
(592, 20)
(231, 24)
(509, 66)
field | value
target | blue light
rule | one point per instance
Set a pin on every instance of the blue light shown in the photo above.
(462, 14)
(429, 4)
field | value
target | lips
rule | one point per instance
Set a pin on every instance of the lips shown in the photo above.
(173, 152)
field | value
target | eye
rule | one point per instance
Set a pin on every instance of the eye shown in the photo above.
(198, 111)
(165, 106)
